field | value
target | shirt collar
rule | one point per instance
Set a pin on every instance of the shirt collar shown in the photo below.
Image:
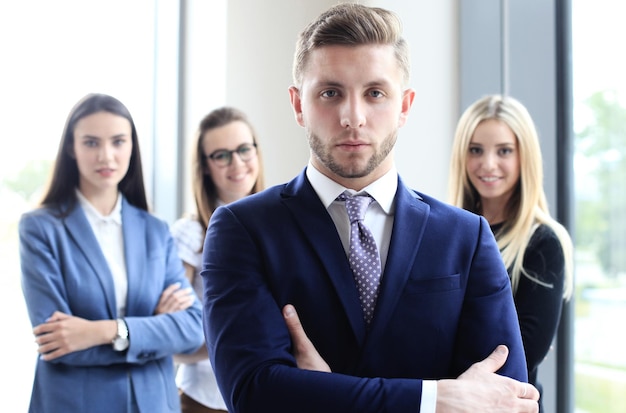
(93, 214)
(383, 190)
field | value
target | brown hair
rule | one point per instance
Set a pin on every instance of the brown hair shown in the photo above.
(61, 191)
(204, 189)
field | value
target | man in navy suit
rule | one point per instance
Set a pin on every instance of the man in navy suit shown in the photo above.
(443, 303)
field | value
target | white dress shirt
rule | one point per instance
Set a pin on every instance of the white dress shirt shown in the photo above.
(379, 219)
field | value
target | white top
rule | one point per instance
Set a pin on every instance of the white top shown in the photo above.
(196, 380)
(108, 232)
(379, 219)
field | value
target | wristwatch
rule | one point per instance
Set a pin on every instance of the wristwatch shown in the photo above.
(121, 342)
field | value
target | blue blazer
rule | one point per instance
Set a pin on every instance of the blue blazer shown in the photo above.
(64, 269)
(445, 302)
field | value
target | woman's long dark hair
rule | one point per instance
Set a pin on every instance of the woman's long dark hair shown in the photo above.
(61, 192)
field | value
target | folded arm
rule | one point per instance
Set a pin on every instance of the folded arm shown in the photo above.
(479, 389)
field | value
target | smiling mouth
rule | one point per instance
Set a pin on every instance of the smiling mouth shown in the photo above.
(489, 179)
(238, 177)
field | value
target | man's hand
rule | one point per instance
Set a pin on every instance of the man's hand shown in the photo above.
(174, 298)
(480, 389)
(304, 351)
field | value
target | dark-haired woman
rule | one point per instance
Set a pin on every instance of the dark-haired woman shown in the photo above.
(105, 290)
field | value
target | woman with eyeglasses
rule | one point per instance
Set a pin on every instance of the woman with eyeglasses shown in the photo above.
(227, 166)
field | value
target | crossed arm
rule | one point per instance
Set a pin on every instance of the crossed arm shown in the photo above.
(478, 389)
(63, 333)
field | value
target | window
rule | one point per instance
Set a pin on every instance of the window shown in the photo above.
(48, 65)
(599, 97)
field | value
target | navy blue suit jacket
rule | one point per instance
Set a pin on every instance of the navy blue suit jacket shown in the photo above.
(445, 302)
(64, 269)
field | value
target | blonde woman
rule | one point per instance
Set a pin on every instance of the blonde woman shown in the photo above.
(496, 171)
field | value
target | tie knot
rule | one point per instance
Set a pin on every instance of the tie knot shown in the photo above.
(356, 205)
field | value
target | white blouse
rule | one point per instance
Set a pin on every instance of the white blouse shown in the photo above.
(108, 232)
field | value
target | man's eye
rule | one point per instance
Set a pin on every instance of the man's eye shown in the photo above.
(329, 93)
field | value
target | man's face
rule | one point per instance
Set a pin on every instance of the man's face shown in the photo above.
(351, 104)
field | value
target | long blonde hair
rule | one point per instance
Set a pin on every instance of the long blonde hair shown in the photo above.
(528, 207)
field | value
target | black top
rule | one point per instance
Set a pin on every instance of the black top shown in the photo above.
(539, 307)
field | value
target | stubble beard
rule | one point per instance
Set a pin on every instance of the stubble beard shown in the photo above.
(351, 169)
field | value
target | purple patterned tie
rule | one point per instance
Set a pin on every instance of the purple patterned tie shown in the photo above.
(363, 256)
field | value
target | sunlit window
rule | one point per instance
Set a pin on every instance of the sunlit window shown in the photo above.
(53, 53)
(599, 68)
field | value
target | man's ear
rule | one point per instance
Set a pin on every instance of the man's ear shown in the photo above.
(407, 102)
(296, 104)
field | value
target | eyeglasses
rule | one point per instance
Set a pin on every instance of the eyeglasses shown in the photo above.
(224, 157)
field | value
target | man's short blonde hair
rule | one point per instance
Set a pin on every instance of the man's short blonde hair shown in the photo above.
(352, 24)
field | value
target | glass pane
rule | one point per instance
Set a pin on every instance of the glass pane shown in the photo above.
(599, 68)
(53, 53)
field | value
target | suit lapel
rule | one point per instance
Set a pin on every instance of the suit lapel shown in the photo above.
(311, 216)
(80, 230)
(411, 215)
(134, 232)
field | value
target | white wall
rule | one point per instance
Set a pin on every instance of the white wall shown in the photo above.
(423, 148)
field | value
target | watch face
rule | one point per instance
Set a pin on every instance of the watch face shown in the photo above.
(120, 344)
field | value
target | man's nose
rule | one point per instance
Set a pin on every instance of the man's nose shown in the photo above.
(352, 113)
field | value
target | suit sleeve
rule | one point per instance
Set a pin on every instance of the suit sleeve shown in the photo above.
(44, 283)
(45, 291)
(489, 317)
(157, 336)
(42, 280)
